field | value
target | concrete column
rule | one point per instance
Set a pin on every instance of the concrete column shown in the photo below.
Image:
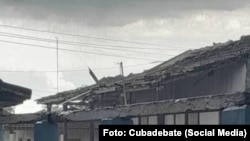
(248, 73)
(61, 137)
(49, 106)
(64, 136)
(1, 133)
(12, 136)
(65, 107)
(160, 119)
(1, 127)
(65, 130)
(92, 130)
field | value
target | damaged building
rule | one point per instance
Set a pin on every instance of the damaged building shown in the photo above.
(209, 85)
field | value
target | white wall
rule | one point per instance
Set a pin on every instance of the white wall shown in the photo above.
(25, 134)
(152, 120)
(169, 119)
(207, 118)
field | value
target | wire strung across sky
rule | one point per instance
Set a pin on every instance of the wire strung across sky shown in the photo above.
(78, 51)
(43, 91)
(51, 92)
(89, 44)
(108, 47)
(83, 70)
(84, 36)
(85, 45)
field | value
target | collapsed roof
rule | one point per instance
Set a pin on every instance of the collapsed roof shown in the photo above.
(188, 62)
(11, 95)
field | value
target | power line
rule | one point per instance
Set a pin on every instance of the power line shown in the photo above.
(84, 36)
(96, 69)
(42, 71)
(115, 46)
(43, 91)
(27, 37)
(63, 41)
(36, 93)
(70, 50)
(86, 45)
(57, 65)
(17, 71)
(39, 46)
(107, 47)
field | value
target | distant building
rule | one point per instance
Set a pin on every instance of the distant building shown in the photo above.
(203, 86)
(10, 95)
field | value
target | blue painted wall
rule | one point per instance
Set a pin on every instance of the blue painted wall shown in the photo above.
(45, 131)
(1, 133)
(247, 115)
(236, 116)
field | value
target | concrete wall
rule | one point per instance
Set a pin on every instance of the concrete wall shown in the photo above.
(226, 79)
(25, 135)
(194, 118)
(143, 96)
(16, 135)
(6, 135)
(24, 132)
(209, 118)
(96, 130)
(78, 131)
(109, 99)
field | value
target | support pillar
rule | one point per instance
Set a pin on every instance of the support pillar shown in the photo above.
(1, 126)
(65, 131)
(12, 136)
(248, 73)
(65, 125)
(61, 137)
(92, 130)
(1, 132)
(49, 106)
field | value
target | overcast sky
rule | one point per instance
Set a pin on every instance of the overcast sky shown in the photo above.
(173, 26)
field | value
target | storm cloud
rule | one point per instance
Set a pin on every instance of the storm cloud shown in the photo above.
(112, 12)
(178, 24)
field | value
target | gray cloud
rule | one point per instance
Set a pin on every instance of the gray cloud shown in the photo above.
(114, 12)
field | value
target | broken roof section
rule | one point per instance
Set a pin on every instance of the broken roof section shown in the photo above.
(186, 63)
(103, 83)
(11, 95)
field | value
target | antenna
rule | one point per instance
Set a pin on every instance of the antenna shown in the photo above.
(57, 65)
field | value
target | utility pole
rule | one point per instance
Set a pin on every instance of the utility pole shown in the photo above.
(57, 65)
(123, 83)
(65, 125)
